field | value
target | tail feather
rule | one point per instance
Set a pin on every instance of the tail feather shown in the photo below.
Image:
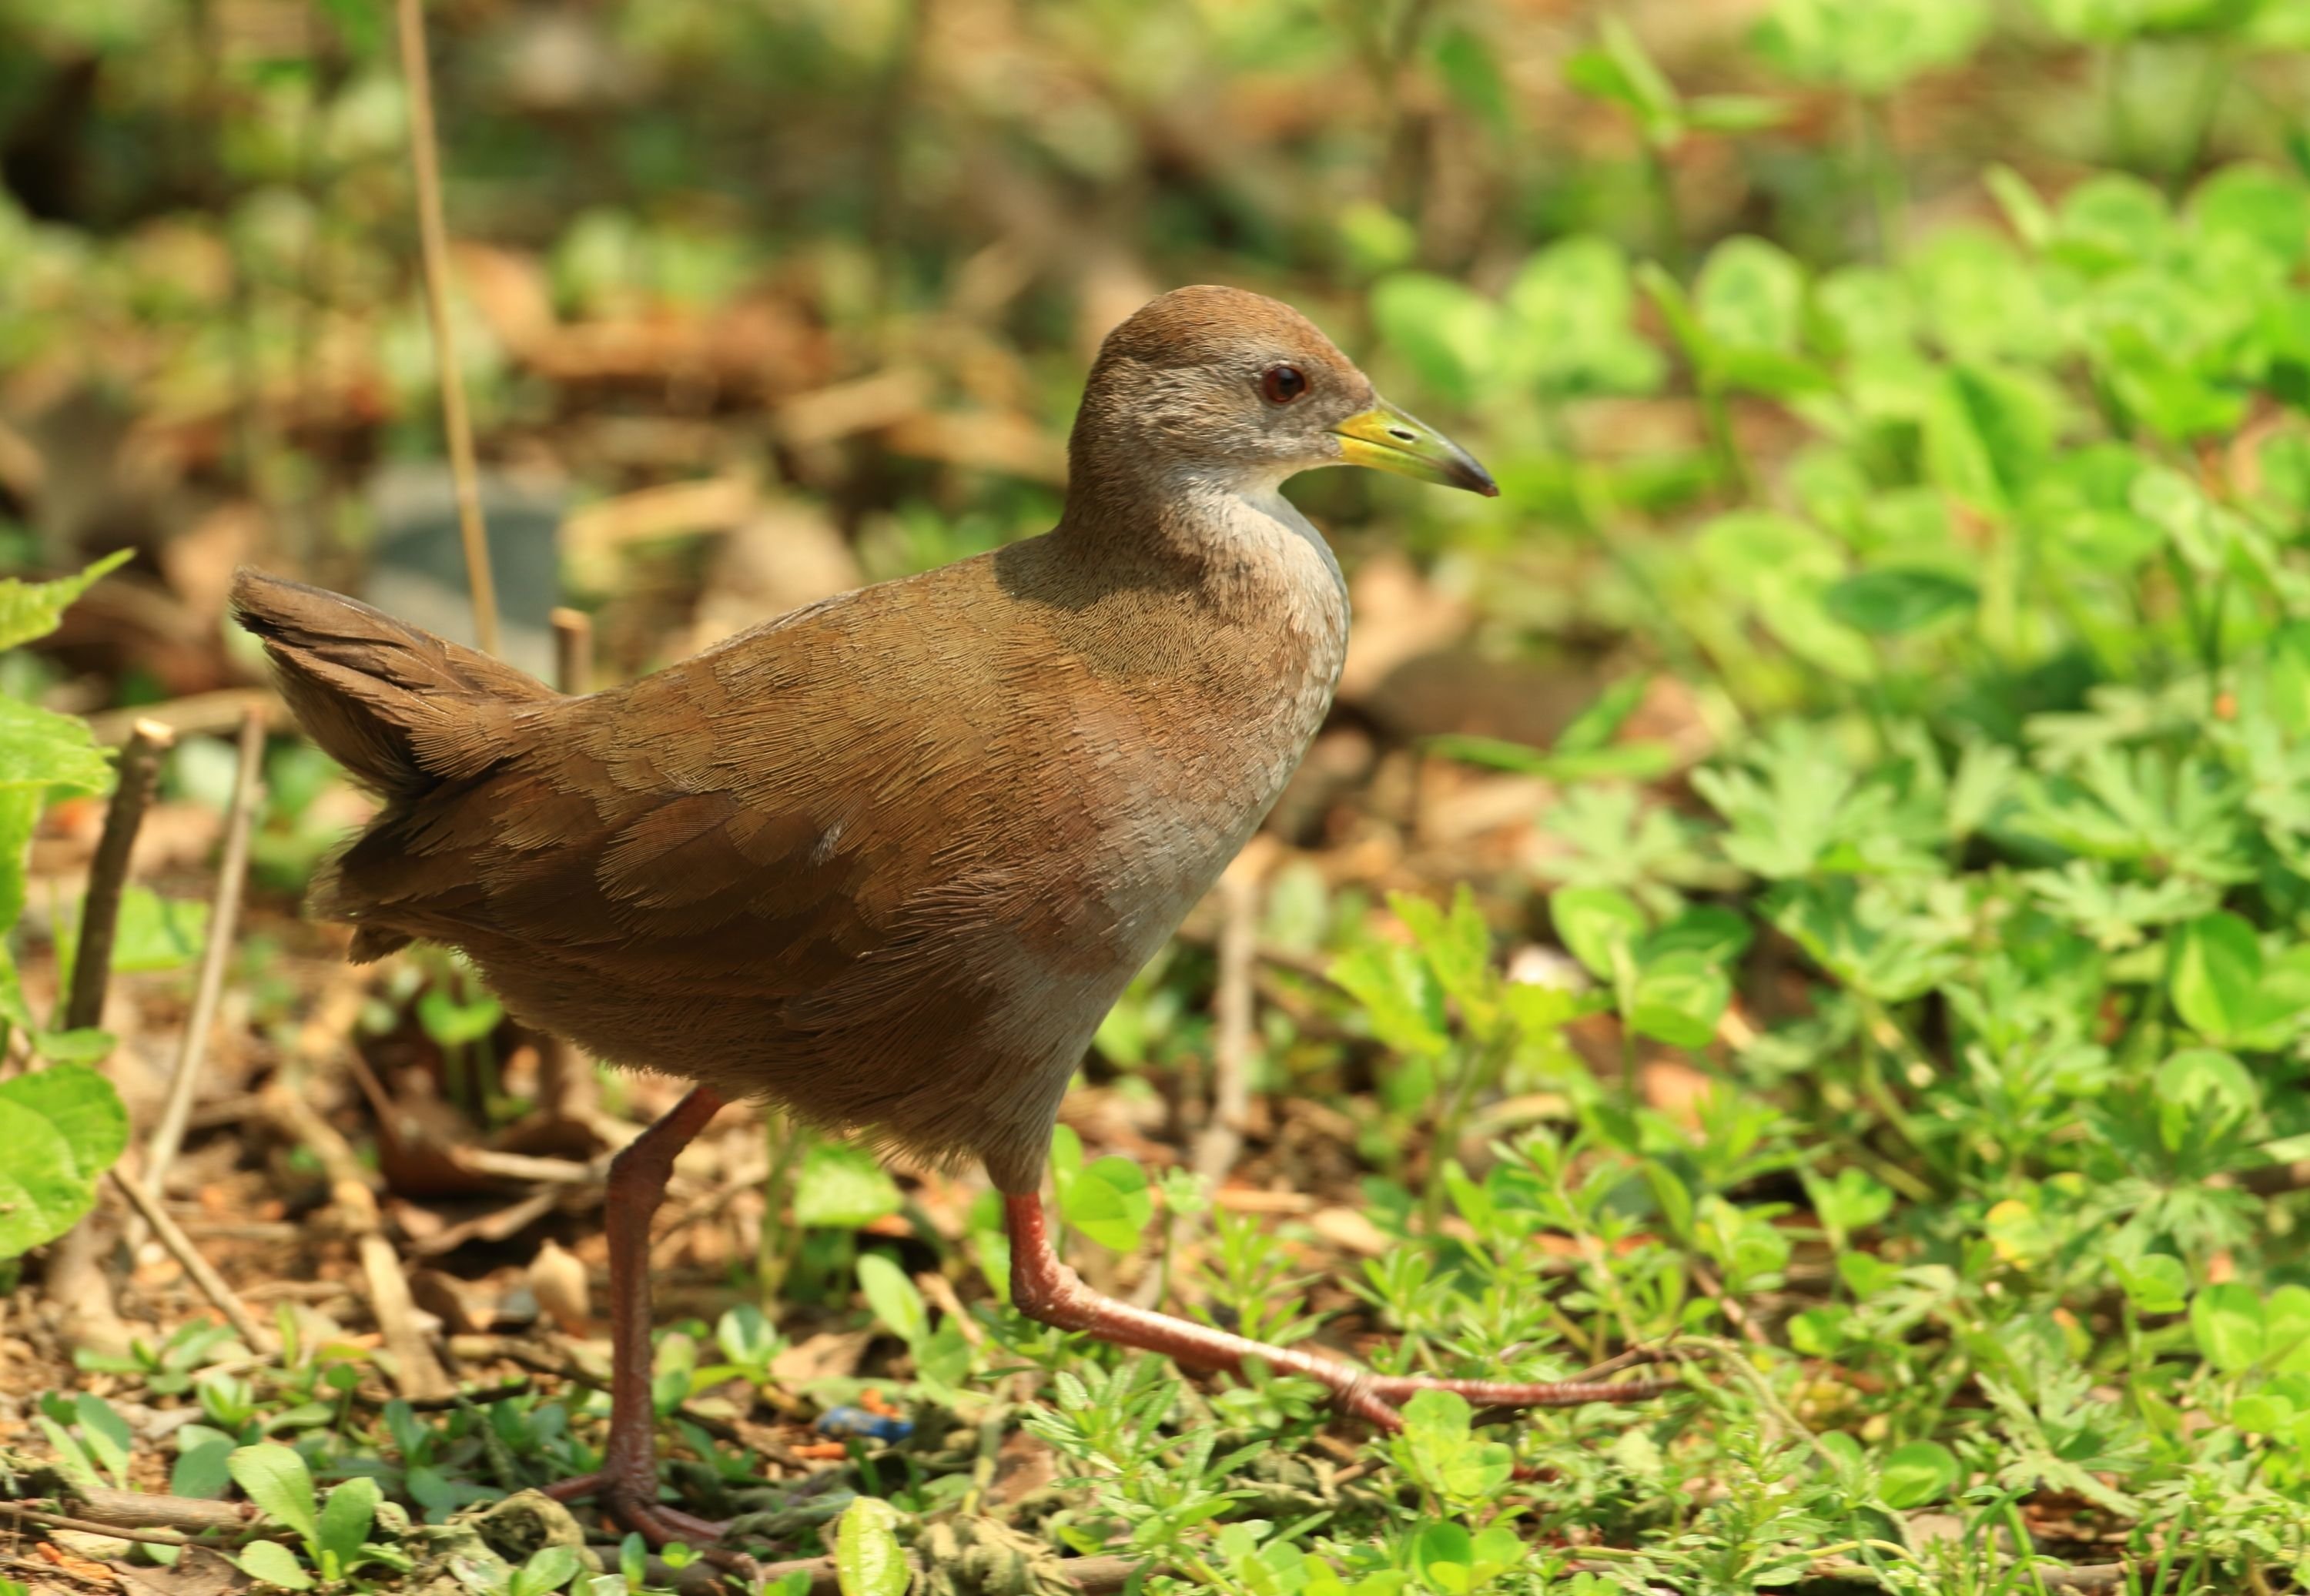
(400, 708)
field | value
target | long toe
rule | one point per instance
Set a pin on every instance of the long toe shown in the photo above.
(633, 1505)
(1398, 1389)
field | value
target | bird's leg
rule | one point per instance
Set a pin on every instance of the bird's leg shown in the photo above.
(1044, 1289)
(627, 1481)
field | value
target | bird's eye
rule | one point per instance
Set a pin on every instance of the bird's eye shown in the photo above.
(1282, 384)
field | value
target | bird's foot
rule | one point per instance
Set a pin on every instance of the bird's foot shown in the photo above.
(1378, 1399)
(631, 1502)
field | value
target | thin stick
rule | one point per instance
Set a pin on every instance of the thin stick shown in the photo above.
(108, 877)
(108, 1511)
(58, 1520)
(225, 916)
(1222, 1141)
(180, 1247)
(425, 159)
(566, 1086)
(573, 652)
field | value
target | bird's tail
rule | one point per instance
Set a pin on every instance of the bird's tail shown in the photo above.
(401, 709)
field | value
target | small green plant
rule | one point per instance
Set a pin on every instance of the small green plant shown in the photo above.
(546, 1570)
(334, 1530)
(64, 1125)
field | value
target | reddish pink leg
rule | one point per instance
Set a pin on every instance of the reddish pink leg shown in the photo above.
(1044, 1289)
(627, 1481)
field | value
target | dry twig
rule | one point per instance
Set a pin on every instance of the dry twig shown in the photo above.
(196, 1268)
(1222, 1140)
(573, 652)
(425, 158)
(107, 875)
(224, 917)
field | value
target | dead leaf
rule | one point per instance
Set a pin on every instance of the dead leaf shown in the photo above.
(829, 1355)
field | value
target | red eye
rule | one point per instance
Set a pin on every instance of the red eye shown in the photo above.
(1282, 384)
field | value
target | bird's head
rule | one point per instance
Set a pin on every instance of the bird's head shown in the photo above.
(1219, 383)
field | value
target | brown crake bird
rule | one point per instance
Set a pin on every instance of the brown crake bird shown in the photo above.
(887, 860)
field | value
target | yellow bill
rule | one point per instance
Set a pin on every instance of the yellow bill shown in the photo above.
(1388, 439)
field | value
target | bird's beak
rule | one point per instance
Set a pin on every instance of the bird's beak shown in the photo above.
(1388, 439)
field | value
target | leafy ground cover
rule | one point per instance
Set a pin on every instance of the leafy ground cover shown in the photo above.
(1879, 997)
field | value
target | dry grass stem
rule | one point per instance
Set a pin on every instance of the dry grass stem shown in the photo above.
(196, 1268)
(224, 918)
(425, 161)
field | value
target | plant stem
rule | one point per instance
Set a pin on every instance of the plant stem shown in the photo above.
(2118, 122)
(1660, 177)
(1881, 169)
(1476, 1068)
(1716, 416)
(773, 1253)
(425, 158)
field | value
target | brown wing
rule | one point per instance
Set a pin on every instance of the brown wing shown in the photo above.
(750, 823)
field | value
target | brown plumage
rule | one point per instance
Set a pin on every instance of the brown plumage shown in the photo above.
(886, 861)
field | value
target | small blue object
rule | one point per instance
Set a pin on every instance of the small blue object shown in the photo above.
(845, 1422)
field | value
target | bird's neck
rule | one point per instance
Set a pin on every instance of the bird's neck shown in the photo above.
(1228, 534)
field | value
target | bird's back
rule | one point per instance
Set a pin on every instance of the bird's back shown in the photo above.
(887, 860)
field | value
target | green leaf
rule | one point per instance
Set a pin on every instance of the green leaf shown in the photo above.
(347, 1516)
(2226, 1321)
(202, 1468)
(1438, 1449)
(453, 1022)
(106, 1434)
(1443, 1557)
(63, 1127)
(2262, 1414)
(1109, 1202)
(1446, 332)
(269, 1563)
(2227, 991)
(1888, 602)
(1718, 935)
(2153, 1283)
(1599, 925)
(1855, 1200)
(842, 1187)
(2205, 1080)
(40, 749)
(1573, 305)
(2266, 209)
(894, 1298)
(1399, 996)
(1619, 73)
(2285, 1329)
(156, 933)
(31, 610)
(1919, 1472)
(277, 1480)
(1750, 296)
(1457, 946)
(1627, 761)
(1679, 997)
(549, 1568)
(87, 1045)
(868, 1560)
(1872, 47)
